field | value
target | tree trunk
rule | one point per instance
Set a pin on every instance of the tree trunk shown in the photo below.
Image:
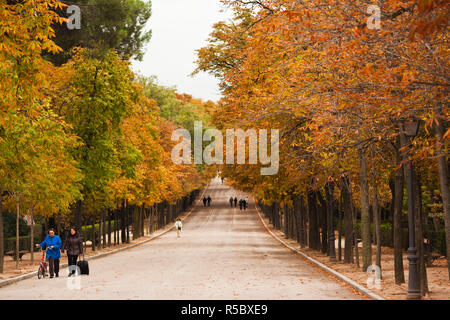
(323, 214)
(104, 229)
(313, 228)
(17, 233)
(298, 204)
(365, 215)
(109, 228)
(295, 214)
(2, 246)
(348, 220)
(398, 194)
(302, 217)
(150, 224)
(423, 279)
(286, 221)
(341, 210)
(128, 217)
(277, 216)
(440, 128)
(100, 231)
(355, 233)
(32, 237)
(93, 234)
(134, 222)
(116, 224)
(329, 191)
(78, 216)
(143, 221)
(122, 223)
(376, 219)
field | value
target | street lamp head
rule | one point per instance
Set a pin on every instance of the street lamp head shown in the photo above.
(411, 127)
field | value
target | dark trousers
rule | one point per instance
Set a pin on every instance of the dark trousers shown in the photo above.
(72, 261)
(53, 266)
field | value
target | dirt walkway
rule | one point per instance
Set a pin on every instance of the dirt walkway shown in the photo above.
(224, 253)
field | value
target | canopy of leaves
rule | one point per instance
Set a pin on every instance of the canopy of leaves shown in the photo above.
(106, 24)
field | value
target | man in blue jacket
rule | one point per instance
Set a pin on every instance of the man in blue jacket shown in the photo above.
(53, 244)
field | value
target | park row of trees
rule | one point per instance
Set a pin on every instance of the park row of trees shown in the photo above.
(342, 96)
(82, 138)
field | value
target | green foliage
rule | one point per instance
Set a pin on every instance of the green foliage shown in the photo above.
(172, 108)
(24, 243)
(87, 230)
(101, 94)
(9, 226)
(106, 24)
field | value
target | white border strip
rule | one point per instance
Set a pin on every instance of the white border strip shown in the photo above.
(10, 281)
(341, 277)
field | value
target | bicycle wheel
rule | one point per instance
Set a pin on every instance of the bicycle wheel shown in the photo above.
(40, 272)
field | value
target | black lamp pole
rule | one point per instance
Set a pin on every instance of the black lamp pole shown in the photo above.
(410, 129)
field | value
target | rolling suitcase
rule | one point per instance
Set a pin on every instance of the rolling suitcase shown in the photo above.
(84, 266)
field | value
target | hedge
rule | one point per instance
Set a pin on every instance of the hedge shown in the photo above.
(87, 231)
(24, 243)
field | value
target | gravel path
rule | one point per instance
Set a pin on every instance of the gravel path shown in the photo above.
(223, 253)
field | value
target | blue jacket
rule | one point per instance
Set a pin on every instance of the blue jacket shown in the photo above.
(54, 241)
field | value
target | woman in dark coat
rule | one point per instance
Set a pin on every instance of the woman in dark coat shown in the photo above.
(74, 247)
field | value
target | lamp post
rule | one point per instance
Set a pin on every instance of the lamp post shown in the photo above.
(410, 130)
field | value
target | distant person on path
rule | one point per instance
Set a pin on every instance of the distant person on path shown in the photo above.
(178, 226)
(74, 247)
(235, 202)
(240, 204)
(246, 203)
(231, 202)
(204, 201)
(53, 244)
(222, 180)
(209, 201)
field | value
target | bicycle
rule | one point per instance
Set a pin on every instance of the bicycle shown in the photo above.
(42, 271)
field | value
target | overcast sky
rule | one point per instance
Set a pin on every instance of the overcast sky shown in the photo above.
(179, 28)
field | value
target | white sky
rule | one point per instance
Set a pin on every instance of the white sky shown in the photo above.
(179, 28)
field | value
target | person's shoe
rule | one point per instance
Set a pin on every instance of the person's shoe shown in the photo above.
(70, 274)
(51, 277)
(57, 276)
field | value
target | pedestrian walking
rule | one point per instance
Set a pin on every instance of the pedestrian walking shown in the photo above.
(240, 204)
(231, 202)
(204, 201)
(209, 201)
(235, 202)
(53, 244)
(246, 203)
(73, 245)
(178, 226)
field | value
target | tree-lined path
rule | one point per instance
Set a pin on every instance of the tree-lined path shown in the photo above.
(224, 253)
